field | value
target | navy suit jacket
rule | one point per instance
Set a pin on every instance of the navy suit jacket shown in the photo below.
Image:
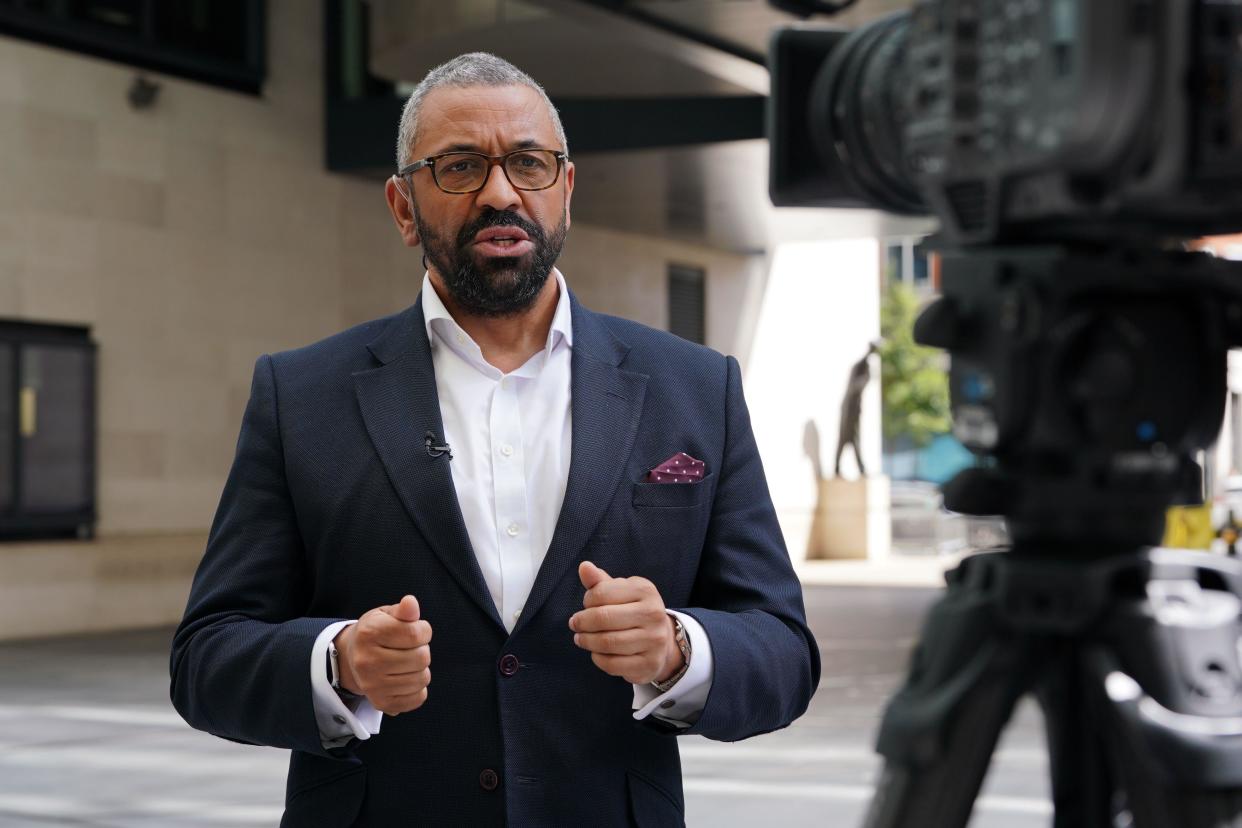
(334, 507)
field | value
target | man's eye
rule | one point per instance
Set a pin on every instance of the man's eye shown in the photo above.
(527, 162)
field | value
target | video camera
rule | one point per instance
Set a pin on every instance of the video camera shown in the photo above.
(1019, 120)
(1068, 148)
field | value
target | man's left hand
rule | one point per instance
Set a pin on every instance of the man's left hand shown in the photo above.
(625, 627)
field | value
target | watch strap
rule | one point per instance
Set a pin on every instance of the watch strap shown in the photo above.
(334, 667)
(683, 644)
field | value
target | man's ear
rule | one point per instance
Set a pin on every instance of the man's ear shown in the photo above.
(402, 213)
(569, 190)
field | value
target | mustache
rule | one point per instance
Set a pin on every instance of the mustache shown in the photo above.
(499, 218)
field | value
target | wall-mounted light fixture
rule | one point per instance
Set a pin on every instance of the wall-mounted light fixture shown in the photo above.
(142, 93)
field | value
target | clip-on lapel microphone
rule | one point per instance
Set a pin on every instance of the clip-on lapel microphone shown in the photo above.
(436, 450)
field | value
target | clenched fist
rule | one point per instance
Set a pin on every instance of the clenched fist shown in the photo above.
(625, 627)
(386, 657)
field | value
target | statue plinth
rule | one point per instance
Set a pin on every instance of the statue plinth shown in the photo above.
(851, 520)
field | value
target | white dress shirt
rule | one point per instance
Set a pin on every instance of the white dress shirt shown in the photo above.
(510, 436)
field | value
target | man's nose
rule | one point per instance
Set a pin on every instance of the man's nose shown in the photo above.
(497, 192)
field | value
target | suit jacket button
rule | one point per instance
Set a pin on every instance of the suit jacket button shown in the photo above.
(509, 664)
(489, 780)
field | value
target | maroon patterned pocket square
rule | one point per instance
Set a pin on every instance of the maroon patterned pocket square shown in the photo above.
(680, 468)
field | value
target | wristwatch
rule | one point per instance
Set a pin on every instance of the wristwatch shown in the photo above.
(334, 668)
(334, 676)
(683, 644)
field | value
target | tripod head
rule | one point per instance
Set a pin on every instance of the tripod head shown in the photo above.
(1087, 379)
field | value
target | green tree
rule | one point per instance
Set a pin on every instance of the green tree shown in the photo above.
(913, 380)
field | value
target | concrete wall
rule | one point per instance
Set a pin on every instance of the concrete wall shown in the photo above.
(627, 275)
(191, 238)
(115, 582)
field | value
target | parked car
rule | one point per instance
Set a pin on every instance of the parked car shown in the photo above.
(921, 524)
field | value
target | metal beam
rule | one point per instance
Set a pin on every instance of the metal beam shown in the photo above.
(360, 133)
(602, 124)
(727, 61)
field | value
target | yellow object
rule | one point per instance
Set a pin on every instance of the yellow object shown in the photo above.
(1189, 527)
(29, 412)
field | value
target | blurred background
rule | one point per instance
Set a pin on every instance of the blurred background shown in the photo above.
(188, 184)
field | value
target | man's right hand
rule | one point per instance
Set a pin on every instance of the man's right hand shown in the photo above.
(386, 657)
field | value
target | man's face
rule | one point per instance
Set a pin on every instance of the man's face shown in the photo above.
(484, 274)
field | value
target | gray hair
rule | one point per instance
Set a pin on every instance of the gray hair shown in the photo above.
(473, 69)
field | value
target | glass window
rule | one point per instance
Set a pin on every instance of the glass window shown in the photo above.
(922, 264)
(212, 41)
(47, 430)
(116, 15)
(8, 424)
(210, 26)
(686, 302)
(55, 396)
(892, 262)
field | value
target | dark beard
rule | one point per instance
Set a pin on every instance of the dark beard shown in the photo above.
(503, 286)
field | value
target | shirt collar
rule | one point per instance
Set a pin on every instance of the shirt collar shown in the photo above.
(561, 328)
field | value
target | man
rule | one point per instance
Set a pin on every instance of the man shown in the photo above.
(506, 481)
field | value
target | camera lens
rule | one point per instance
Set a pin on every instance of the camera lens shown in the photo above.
(856, 114)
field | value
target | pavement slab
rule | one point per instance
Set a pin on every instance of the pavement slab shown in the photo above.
(88, 737)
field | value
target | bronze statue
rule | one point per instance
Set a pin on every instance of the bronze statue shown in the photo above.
(851, 410)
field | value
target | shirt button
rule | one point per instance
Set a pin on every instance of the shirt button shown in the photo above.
(667, 704)
(512, 530)
(489, 780)
(517, 614)
(509, 665)
(339, 719)
(506, 450)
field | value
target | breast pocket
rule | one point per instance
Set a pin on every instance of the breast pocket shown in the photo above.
(663, 534)
(673, 495)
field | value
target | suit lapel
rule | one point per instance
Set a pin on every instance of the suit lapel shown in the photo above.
(399, 405)
(606, 404)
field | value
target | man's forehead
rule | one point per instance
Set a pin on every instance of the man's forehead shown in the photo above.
(460, 116)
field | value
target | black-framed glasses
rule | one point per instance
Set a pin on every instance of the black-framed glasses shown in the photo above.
(467, 172)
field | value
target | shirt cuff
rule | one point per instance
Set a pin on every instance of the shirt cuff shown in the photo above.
(685, 700)
(338, 722)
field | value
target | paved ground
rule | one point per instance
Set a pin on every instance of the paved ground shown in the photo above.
(87, 738)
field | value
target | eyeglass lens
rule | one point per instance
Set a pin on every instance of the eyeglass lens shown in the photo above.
(527, 170)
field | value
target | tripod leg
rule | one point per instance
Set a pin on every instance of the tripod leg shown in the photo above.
(940, 789)
(939, 731)
(1082, 787)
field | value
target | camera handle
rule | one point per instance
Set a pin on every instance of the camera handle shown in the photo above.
(1133, 658)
